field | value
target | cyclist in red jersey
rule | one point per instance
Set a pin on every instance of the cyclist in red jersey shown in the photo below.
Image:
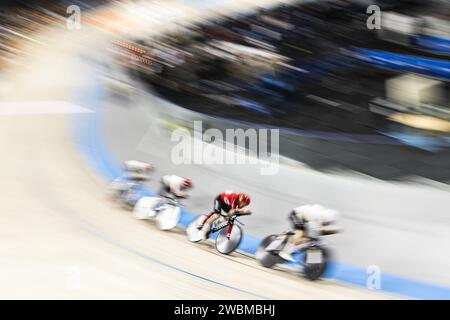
(228, 201)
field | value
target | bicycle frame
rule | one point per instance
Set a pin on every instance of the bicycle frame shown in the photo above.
(229, 223)
(308, 243)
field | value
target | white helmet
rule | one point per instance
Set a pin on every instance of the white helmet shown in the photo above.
(322, 213)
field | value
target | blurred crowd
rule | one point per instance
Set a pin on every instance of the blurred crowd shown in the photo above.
(293, 65)
(291, 62)
(21, 21)
(244, 54)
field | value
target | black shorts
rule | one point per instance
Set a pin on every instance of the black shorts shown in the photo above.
(219, 205)
(164, 190)
(297, 224)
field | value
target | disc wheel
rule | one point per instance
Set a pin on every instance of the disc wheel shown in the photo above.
(168, 218)
(192, 232)
(227, 245)
(313, 271)
(267, 258)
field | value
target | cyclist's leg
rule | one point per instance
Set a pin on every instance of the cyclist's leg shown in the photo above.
(164, 190)
(216, 210)
(297, 237)
(210, 220)
(292, 244)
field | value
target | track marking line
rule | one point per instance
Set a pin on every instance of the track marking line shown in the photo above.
(17, 108)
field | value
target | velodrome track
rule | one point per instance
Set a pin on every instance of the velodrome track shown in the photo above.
(62, 238)
(400, 228)
(57, 225)
(374, 213)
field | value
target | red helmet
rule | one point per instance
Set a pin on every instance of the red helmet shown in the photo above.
(243, 199)
(187, 183)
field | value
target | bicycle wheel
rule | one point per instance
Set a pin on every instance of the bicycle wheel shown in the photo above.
(225, 244)
(315, 262)
(267, 258)
(168, 219)
(192, 231)
(143, 209)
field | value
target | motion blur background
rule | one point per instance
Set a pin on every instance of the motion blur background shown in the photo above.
(375, 101)
(351, 101)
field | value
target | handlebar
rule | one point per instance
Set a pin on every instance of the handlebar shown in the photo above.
(329, 232)
(234, 216)
(238, 214)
